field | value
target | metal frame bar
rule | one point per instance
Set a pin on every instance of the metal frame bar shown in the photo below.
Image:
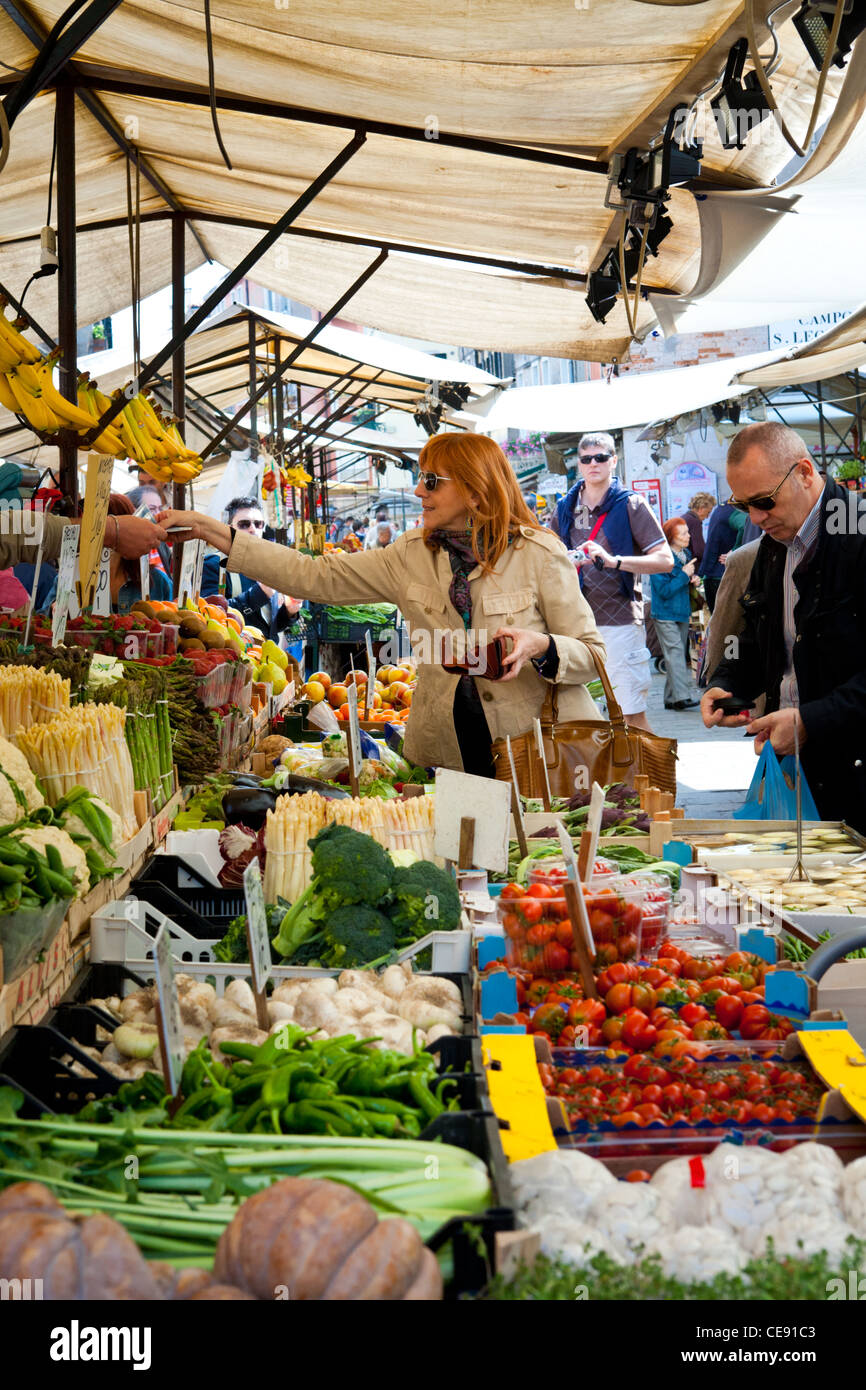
(54, 50)
(235, 276)
(45, 338)
(300, 347)
(143, 85)
(67, 295)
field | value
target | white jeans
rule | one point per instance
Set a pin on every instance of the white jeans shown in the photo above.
(628, 665)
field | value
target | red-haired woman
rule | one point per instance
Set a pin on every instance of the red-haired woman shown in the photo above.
(670, 608)
(479, 564)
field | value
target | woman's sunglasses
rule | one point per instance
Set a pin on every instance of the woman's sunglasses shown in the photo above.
(763, 504)
(430, 480)
(593, 458)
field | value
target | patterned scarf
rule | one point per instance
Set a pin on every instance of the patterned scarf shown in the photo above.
(459, 549)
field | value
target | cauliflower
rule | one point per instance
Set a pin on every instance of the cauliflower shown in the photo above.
(38, 837)
(16, 767)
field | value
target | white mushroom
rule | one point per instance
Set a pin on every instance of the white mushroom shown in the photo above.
(245, 1031)
(223, 1013)
(437, 991)
(394, 981)
(357, 1002)
(423, 1014)
(287, 991)
(239, 993)
(279, 1012)
(359, 979)
(439, 1030)
(315, 1011)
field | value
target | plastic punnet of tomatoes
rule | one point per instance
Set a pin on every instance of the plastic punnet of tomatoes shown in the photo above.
(553, 871)
(615, 910)
(655, 908)
(716, 1093)
(539, 936)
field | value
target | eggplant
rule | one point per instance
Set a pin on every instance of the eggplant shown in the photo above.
(245, 779)
(248, 805)
(296, 786)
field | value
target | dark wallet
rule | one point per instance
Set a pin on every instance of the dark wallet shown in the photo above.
(488, 665)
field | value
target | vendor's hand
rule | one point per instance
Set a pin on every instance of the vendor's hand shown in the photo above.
(593, 549)
(133, 536)
(779, 728)
(714, 717)
(524, 646)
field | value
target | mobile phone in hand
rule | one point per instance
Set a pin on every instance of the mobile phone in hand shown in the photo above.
(732, 705)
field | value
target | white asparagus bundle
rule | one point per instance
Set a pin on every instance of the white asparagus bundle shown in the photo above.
(30, 695)
(84, 747)
(295, 820)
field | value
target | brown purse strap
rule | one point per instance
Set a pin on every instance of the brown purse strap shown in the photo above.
(623, 752)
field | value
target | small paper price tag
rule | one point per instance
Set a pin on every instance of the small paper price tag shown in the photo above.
(33, 591)
(353, 734)
(568, 854)
(144, 576)
(199, 566)
(371, 674)
(593, 826)
(542, 758)
(102, 594)
(257, 926)
(65, 583)
(170, 1021)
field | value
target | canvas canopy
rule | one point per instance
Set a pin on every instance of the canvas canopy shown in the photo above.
(572, 84)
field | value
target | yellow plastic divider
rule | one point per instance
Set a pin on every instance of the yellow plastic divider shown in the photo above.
(517, 1094)
(840, 1062)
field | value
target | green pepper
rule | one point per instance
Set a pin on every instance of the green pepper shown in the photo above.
(275, 1093)
(424, 1098)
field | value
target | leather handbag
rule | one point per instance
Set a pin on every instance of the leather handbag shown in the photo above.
(584, 751)
(487, 665)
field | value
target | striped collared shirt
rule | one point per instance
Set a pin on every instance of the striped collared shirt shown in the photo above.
(799, 549)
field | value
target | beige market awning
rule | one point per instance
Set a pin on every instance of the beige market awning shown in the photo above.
(449, 96)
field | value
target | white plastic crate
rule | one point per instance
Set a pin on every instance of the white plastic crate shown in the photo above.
(125, 931)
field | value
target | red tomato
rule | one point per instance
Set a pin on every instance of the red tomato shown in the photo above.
(626, 1117)
(643, 997)
(618, 999)
(556, 957)
(754, 1020)
(611, 1029)
(708, 1030)
(672, 1096)
(626, 946)
(652, 1094)
(531, 910)
(670, 966)
(694, 969)
(719, 1090)
(655, 977)
(765, 1113)
(538, 990)
(659, 1017)
(587, 1011)
(513, 890)
(729, 1011)
(539, 890)
(601, 926)
(727, 984)
(631, 917)
(541, 933)
(649, 1113)
(691, 1014)
(637, 1175)
(639, 1032)
(565, 933)
(606, 955)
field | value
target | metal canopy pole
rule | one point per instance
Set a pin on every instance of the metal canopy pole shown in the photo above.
(279, 436)
(253, 380)
(178, 363)
(235, 276)
(67, 297)
(820, 395)
(301, 347)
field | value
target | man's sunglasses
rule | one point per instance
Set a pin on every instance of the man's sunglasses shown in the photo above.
(431, 480)
(763, 504)
(593, 458)
(250, 525)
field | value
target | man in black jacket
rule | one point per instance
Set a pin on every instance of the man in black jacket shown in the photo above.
(803, 644)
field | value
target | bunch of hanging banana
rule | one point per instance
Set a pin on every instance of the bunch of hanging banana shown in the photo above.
(139, 432)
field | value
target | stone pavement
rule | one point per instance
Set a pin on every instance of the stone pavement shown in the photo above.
(715, 766)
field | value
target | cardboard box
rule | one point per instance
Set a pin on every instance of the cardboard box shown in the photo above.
(21, 996)
(843, 987)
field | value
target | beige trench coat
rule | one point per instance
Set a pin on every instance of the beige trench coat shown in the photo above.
(535, 586)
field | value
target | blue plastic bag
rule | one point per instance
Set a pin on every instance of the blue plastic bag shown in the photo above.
(770, 797)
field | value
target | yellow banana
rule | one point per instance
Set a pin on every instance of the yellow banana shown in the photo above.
(24, 351)
(7, 396)
(66, 411)
(33, 407)
(184, 472)
(131, 431)
(8, 357)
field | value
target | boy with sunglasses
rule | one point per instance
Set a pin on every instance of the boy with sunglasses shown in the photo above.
(616, 537)
(803, 640)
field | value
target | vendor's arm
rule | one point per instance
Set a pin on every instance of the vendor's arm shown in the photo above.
(369, 576)
(130, 536)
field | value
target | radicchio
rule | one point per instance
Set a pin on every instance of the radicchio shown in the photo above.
(238, 847)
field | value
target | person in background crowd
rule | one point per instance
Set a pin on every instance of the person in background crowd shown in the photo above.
(345, 527)
(670, 609)
(125, 575)
(244, 514)
(382, 518)
(148, 495)
(728, 615)
(618, 528)
(721, 538)
(46, 584)
(479, 560)
(384, 533)
(700, 507)
(803, 640)
(153, 485)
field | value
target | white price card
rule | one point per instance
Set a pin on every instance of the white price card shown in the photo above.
(542, 757)
(65, 583)
(371, 673)
(97, 490)
(33, 590)
(593, 825)
(199, 567)
(257, 927)
(170, 1021)
(570, 858)
(353, 733)
(102, 593)
(188, 562)
(144, 576)
(488, 802)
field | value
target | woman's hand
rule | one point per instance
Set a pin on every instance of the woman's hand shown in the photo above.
(524, 646)
(196, 526)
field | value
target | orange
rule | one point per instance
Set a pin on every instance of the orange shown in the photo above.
(343, 713)
(338, 695)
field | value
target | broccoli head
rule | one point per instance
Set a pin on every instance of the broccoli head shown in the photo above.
(357, 935)
(425, 899)
(349, 867)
